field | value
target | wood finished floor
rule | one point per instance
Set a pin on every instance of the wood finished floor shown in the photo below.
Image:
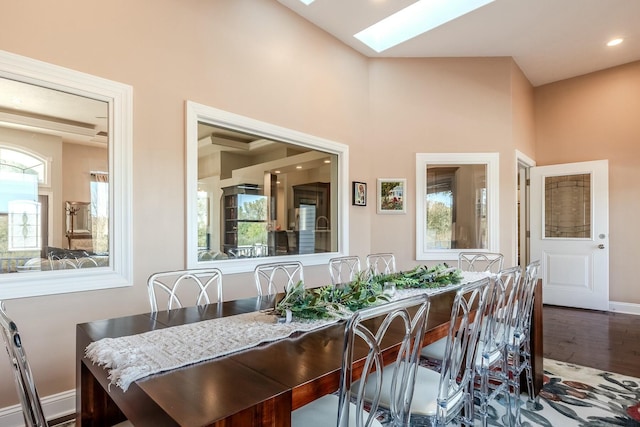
(602, 340)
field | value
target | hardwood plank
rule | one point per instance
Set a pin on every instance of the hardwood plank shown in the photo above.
(598, 339)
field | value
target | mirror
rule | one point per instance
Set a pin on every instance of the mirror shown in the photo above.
(64, 137)
(457, 204)
(78, 218)
(261, 192)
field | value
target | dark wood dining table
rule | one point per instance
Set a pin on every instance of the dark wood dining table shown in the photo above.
(255, 387)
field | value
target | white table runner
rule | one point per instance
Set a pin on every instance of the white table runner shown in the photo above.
(131, 358)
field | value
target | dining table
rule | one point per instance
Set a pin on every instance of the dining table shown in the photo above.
(258, 386)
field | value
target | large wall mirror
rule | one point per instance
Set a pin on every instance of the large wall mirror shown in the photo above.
(260, 193)
(457, 204)
(64, 136)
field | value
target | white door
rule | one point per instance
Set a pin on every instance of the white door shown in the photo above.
(570, 232)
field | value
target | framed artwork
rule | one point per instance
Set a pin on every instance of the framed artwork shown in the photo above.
(359, 193)
(391, 196)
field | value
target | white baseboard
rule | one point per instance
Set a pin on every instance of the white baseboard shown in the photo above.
(624, 307)
(54, 406)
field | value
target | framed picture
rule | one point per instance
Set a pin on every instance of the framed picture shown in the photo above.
(391, 196)
(359, 193)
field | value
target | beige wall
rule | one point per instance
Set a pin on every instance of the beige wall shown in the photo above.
(595, 117)
(255, 58)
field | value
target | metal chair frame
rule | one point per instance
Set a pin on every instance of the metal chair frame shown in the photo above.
(268, 276)
(178, 284)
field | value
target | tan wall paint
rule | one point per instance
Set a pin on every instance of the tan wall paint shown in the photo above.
(595, 117)
(256, 58)
(435, 106)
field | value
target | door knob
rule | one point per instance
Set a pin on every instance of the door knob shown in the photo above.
(600, 246)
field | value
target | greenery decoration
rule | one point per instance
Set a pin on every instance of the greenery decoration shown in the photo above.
(366, 290)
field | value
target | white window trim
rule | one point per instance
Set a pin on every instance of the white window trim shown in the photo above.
(201, 113)
(493, 189)
(120, 99)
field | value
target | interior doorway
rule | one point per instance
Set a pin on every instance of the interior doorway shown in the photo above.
(523, 234)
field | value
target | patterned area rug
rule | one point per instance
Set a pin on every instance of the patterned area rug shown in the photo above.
(574, 396)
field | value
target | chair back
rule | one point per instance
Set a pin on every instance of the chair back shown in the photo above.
(344, 269)
(523, 304)
(496, 327)
(480, 261)
(277, 277)
(365, 331)
(382, 263)
(184, 288)
(457, 370)
(29, 399)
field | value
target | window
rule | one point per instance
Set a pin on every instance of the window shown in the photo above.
(457, 204)
(34, 220)
(259, 193)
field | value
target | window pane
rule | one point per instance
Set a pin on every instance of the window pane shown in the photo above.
(567, 206)
(260, 197)
(456, 207)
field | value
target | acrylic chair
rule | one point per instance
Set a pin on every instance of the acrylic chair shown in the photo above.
(519, 342)
(183, 288)
(480, 261)
(446, 396)
(277, 277)
(364, 338)
(492, 362)
(344, 269)
(381, 263)
(29, 399)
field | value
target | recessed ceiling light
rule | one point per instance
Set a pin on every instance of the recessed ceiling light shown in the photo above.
(298, 167)
(413, 20)
(615, 42)
(276, 171)
(307, 2)
(327, 161)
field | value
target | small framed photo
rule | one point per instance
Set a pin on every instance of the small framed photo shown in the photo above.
(391, 196)
(359, 193)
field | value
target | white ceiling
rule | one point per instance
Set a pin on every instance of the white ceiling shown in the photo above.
(550, 40)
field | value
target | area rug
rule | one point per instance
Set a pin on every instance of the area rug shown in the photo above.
(573, 396)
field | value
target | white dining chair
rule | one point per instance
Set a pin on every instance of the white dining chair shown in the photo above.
(344, 269)
(381, 263)
(25, 385)
(363, 338)
(480, 261)
(277, 277)
(183, 288)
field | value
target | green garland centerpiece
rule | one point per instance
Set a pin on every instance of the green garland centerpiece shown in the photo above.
(366, 290)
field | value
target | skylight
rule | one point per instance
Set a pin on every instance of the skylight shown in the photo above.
(307, 2)
(418, 18)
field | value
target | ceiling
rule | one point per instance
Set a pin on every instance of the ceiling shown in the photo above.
(74, 118)
(550, 40)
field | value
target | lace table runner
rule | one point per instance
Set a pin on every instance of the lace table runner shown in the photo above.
(131, 358)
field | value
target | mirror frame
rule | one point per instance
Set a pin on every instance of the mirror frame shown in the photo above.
(491, 160)
(119, 98)
(201, 113)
